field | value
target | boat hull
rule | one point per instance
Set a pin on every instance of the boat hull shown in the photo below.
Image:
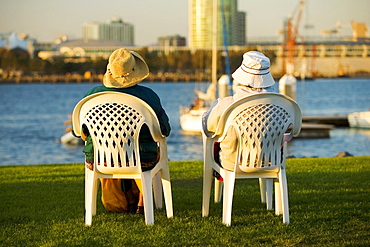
(359, 119)
(70, 139)
(192, 121)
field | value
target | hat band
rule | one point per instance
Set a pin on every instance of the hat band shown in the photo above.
(121, 76)
(268, 71)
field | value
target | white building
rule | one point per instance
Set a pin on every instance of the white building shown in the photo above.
(114, 30)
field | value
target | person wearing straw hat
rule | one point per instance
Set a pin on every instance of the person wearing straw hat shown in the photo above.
(125, 70)
(253, 77)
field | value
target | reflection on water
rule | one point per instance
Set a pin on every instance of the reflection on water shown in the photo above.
(32, 119)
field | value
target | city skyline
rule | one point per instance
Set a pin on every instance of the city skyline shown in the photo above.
(47, 20)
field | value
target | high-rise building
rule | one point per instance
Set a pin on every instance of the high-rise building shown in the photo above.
(230, 22)
(115, 30)
(240, 28)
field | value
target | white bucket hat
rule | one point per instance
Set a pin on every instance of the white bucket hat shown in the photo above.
(254, 71)
(125, 69)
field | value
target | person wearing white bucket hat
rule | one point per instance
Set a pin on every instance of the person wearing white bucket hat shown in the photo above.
(254, 71)
(125, 70)
(253, 76)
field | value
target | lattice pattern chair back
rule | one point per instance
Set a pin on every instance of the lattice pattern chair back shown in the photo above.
(115, 128)
(114, 125)
(263, 123)
(261, 129)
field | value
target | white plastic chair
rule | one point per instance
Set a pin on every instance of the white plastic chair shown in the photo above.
(114, 121)
(263, 123)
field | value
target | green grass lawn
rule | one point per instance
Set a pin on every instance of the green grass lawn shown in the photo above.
(43, 205)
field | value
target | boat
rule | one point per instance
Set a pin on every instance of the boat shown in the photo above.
(359, 119)
(68, 138)
(191, 121)
(191, 117)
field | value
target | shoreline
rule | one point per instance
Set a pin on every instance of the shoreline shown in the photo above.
(170, 78)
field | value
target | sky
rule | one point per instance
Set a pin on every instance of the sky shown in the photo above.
(47, 20)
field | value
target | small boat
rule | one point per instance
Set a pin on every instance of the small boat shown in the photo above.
(359, 119)
(191, 117)
(68, 138)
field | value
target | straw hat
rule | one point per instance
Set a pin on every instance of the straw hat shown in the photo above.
(125, 69)
(254, 71)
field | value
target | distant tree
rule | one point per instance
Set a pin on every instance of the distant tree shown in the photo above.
(99, 66)
(183, 61)
(21, 58)
(37, 64)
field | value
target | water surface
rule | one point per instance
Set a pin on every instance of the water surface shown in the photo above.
(32, 119)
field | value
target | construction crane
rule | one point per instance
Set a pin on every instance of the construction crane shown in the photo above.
(292, 34)
(287, 83)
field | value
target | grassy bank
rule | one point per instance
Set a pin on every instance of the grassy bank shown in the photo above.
(43, 205)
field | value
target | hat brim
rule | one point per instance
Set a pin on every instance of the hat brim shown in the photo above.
(253, 80)
(140, 73)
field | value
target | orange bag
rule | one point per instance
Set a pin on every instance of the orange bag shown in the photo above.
(113, 198)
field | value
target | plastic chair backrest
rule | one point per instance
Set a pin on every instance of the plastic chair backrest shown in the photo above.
(114, 121)
(260, 122)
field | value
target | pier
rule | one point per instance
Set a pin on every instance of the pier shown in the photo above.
(310, 130)
(336, 120)
(320, 126)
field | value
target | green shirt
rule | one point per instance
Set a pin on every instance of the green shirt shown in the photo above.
(148, 147)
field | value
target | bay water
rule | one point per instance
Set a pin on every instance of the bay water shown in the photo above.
(32, 118)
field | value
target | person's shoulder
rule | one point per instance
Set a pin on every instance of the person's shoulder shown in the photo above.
(96, 89)
(143, 88)
(226, 100)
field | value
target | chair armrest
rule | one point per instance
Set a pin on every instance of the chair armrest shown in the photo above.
(288, 137)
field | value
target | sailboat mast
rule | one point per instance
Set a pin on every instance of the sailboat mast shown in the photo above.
(214, 42)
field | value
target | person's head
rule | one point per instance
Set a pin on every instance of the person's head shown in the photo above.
(254, 71)
(125, 69)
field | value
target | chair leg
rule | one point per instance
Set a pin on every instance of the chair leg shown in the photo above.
(278, 209)
(229, 182)
(269, 185)
(88, 207)
(157, 189)
(207, 184)
(86, 187)
(262, 182)
(284, 195)
(166, 184)
(218, 190)
(94, 195)
(90, 195)
(148, 197)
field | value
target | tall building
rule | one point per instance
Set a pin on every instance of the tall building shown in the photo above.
(114, 30)
(240, 28)
(229, 22)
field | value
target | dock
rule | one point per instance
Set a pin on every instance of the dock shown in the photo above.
(320, 126)
(336, 120)
(311, 130)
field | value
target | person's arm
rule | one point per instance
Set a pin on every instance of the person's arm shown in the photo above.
(210, 119)
(164, 122)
